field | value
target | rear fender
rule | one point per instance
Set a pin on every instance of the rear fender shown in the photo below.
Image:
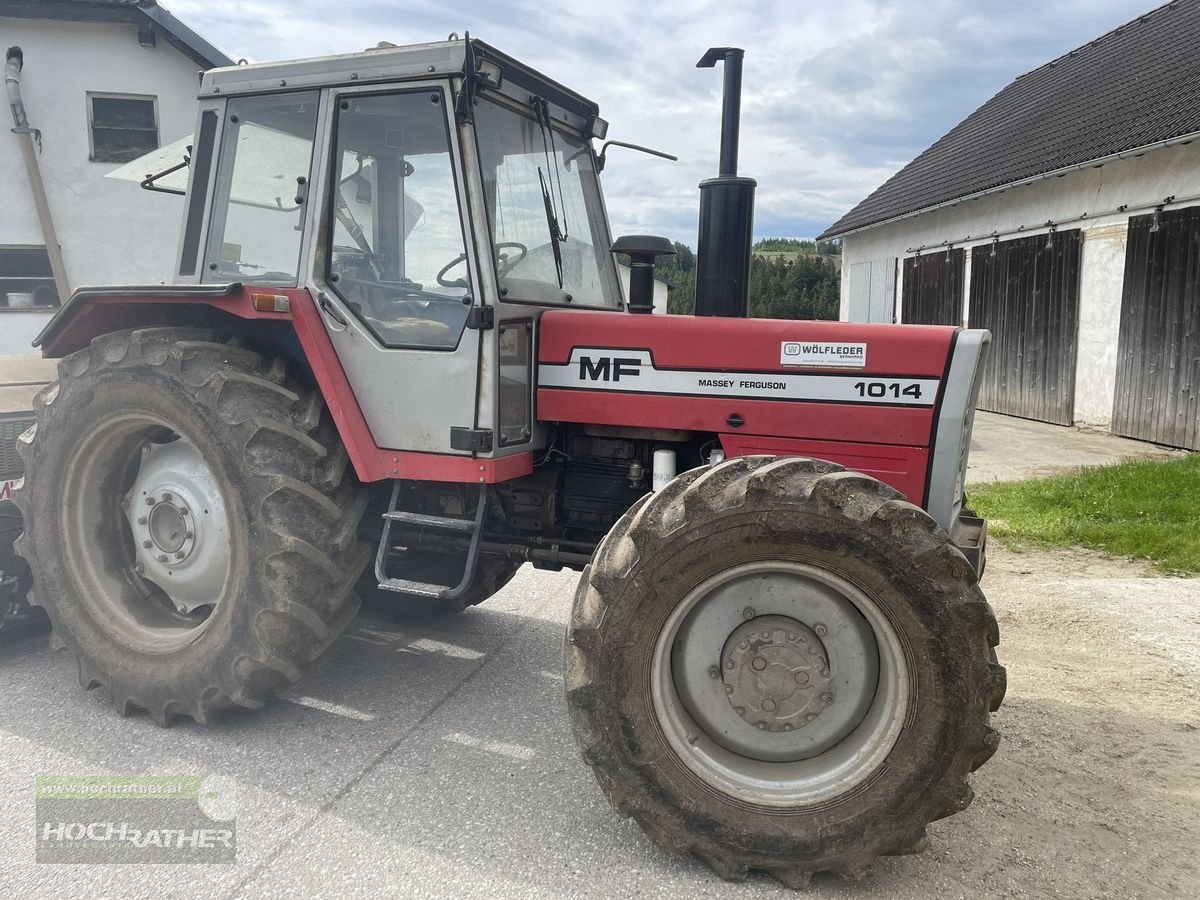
(91, 312)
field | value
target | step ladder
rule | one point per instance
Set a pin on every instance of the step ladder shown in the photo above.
(451, 524)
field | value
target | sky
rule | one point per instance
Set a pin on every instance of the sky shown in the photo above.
(836, 96)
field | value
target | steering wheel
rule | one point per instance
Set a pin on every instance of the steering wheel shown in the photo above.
(506, 263)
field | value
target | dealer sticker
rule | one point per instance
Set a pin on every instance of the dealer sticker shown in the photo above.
(823, 354)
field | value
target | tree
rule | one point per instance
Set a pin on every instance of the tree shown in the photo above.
(781, 287)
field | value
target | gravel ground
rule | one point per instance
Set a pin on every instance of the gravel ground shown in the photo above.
(438, 762)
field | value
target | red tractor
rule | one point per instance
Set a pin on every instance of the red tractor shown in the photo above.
(396, 361)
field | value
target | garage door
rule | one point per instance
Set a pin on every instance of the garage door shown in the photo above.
(1026, 292)
(933, 289)
(1158, 360)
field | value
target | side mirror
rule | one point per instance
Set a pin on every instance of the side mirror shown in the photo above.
(642, 250)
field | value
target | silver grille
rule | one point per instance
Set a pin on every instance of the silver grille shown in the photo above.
(10, 429)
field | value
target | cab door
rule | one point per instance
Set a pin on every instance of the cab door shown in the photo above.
(392, 268)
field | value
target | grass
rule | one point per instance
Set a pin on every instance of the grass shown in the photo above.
(1145, 510)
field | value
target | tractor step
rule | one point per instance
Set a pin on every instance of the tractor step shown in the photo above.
(416, 588)
(421, 520)
(474, 527)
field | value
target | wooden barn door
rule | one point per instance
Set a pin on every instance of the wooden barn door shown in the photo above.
(1158, 357)
(933, 289)
(1026, 292)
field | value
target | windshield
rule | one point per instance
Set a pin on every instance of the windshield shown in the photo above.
(551, 240)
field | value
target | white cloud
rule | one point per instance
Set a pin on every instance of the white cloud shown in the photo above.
(836, 96)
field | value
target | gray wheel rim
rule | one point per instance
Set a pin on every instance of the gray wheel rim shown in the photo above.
(180, 528)
(131, 481)
(780, 683)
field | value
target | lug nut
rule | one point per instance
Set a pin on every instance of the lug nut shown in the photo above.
(145, 448)
(827, 699)
(166, 498)
(139, 569)
(714, 672)
(748, 613)
(163, 558)
(188, 536)
(180, 555)
(141, 520)
(820, 630)
(824, 673)
(181, 608)
(769, 705)
(147, 544)
(729, 663)
(149, 501)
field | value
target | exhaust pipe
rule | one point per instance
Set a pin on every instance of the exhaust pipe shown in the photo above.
(726, 208)
(14, 61)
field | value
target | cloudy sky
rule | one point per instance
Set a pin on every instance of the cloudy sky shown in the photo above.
(837, 95)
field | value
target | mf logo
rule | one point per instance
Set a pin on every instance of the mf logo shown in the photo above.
(608, 368)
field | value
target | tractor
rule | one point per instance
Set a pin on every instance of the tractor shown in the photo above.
(396, 363)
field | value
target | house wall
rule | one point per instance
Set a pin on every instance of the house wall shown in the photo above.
(1138, 183)
(110, 231)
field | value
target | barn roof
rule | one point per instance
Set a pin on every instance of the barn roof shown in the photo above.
(1131, 89)
(142, 13)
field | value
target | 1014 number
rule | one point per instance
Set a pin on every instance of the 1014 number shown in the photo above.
(878, 390)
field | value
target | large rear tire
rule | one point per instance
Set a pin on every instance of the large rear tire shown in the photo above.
(190, 521)
(777, 665)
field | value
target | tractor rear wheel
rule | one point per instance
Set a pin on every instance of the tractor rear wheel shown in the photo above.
(776, 665)
(190, 521)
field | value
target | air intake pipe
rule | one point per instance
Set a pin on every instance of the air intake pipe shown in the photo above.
(726, 208)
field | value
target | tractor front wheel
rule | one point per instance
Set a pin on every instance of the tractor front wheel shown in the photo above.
(777, 665)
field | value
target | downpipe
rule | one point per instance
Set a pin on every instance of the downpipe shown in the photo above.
(14, 61)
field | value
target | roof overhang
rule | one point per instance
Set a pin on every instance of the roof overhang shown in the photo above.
(138, 13)
(1032, 179)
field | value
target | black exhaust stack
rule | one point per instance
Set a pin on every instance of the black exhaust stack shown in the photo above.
(726, 208)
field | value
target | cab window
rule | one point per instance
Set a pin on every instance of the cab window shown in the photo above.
(398, 253)
(258, 213)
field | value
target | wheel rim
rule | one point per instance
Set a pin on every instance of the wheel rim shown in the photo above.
(780, 683)
(155, 580)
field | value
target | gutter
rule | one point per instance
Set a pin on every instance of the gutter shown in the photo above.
(13, 63)
(1000, 188)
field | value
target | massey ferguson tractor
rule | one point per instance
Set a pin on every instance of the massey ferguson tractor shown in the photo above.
(396, 361)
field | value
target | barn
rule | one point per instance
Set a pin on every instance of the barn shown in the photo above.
(1064, 216)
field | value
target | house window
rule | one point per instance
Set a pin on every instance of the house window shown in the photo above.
(122, 126)
(26, 279)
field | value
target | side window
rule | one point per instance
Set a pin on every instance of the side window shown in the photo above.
(258, 207)
(398, 254)
(121, 127)
(26, 278)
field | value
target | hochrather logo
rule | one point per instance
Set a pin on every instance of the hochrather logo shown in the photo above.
(608, 368)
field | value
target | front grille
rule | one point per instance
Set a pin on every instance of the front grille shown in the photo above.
(10, 430)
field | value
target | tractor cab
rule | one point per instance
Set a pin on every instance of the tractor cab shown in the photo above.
(426, 196)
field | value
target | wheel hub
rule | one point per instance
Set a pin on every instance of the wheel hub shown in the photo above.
(178, 521)
(776, 673)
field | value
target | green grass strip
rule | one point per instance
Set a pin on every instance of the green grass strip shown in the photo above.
(1144, 510)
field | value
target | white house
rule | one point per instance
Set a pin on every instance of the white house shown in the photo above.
(1064, 216)
(102, 82)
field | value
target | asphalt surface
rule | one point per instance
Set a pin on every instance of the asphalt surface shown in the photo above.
(438, 762)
